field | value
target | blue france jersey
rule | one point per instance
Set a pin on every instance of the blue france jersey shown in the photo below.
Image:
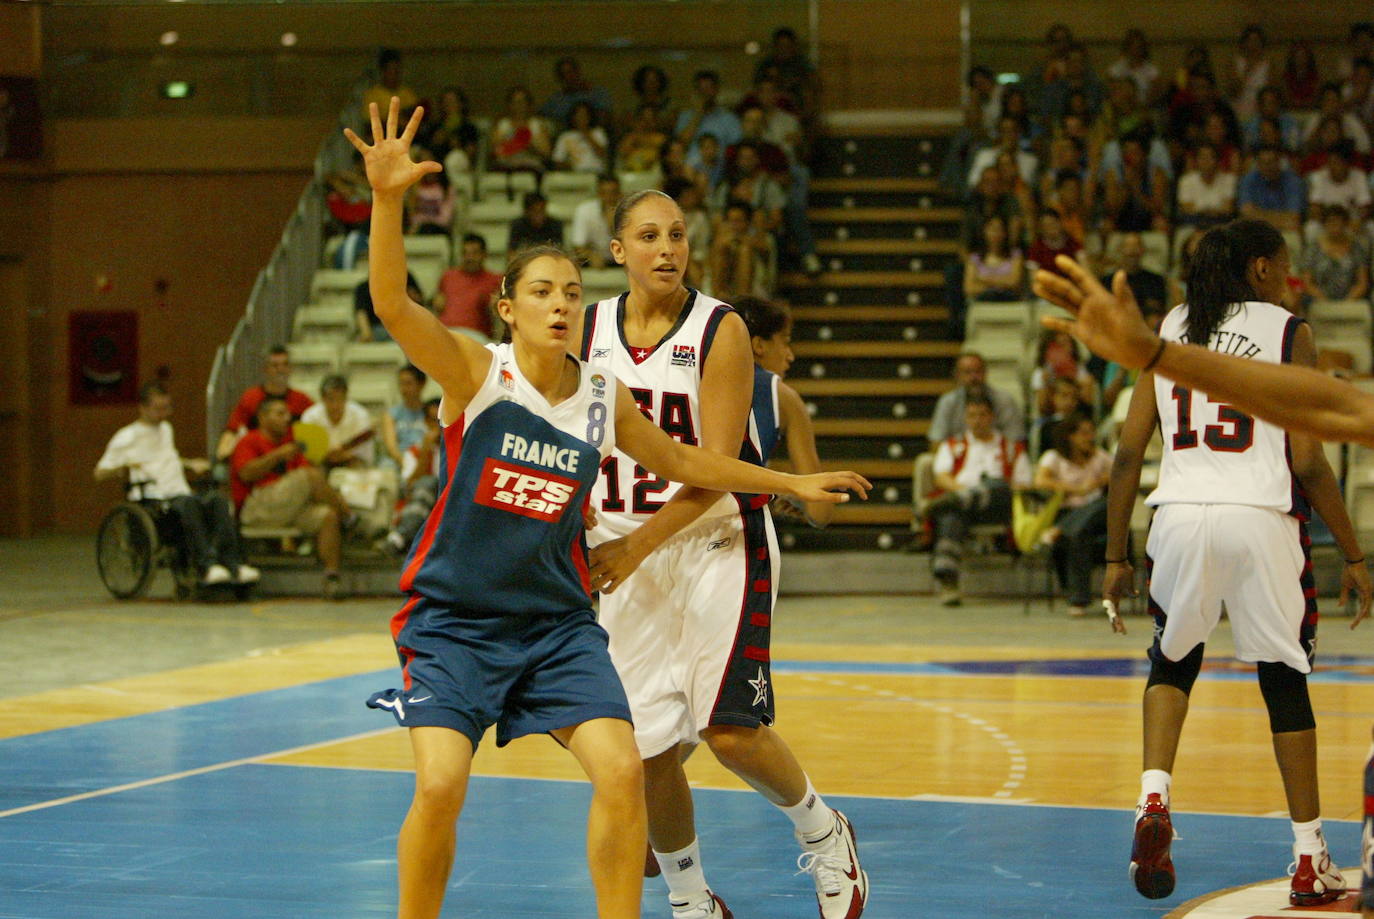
(764, 412)
(506, 535)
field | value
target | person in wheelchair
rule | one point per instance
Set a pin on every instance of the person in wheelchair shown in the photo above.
(143, 454)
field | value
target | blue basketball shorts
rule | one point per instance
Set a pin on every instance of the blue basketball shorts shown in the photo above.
(525, 674)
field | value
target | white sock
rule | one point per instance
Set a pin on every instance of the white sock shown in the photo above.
(683, 872)
(811, 817)
(1155, 782)
(1308, 837)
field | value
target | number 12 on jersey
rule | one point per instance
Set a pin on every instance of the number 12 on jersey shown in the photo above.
(1234, 432)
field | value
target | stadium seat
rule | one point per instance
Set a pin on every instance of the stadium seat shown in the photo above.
(505, 186)
(576, 185)
(997, 320)
(314, 358)
(372, 356)
(631, 182)
(374, 391)
(427, 257)
(332, 321)
(332, 283)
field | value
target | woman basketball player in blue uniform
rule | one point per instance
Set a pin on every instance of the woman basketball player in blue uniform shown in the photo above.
(688, 576)
(1293, 397)
(778, 413)
(498, 627)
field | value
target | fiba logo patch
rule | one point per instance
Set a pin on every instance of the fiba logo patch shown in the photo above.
(598, 385)
(507, 380)
(684, 356)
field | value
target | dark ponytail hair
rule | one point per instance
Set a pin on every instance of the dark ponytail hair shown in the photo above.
(763, 318)
(1218, 272)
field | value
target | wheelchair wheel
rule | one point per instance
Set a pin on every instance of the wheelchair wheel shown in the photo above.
(126, 549)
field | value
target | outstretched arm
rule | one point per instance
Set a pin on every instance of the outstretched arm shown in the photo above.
(1296, 398)
(649, 446)
(457, 362)
(801, 447)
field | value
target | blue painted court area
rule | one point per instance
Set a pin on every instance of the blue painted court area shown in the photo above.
(257, 841)
(278, 842)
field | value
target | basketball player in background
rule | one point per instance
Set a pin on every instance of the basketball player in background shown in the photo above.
(1296, 398)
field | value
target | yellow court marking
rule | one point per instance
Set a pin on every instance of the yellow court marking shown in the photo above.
(1050, 740)
(273, 668)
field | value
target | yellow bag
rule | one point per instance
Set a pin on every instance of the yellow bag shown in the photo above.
(1028, 521)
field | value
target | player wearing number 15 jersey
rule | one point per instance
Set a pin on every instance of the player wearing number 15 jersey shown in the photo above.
(1229, 528)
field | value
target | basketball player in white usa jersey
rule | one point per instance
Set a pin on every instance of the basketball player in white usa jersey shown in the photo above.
(1229, 528)
(1297, 398)
(688, 576)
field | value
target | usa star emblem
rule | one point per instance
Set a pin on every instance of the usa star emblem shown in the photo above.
(640, 354)
(760, 689)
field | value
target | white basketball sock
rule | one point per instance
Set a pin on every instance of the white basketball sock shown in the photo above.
(683, 872)
(811, 816)
(1155, 782)
(1308, 837)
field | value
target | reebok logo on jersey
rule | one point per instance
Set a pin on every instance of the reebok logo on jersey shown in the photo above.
(684, 356)
(600, 354)
(534, 493)
(718, 544)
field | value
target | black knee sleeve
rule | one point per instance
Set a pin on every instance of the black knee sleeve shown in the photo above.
(1286, 697)
(1179, 674)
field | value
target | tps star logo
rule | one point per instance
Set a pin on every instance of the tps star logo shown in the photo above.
(760, 689)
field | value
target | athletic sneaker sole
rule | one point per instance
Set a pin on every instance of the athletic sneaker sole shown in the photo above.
(1151, 868)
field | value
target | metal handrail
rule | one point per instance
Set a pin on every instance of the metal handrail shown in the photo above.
(283, 284)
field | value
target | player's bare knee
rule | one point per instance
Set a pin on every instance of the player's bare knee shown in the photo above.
(731, 743)
(620, 774)
(439, 792)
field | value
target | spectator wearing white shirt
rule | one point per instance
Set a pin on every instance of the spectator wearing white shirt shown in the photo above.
(1251, 71)
(1206, 195)
(1337, 183)
(347, 423)
(581, 148)
(144, 454)
(1135, 65)
(1008, 141)
(1332, 104)
(590, 236)
(976, 473)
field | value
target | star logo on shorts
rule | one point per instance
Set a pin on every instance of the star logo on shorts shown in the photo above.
(760, 689)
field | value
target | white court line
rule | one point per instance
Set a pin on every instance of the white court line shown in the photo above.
(144, 783)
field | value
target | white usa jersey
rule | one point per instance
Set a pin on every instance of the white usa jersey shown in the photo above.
(1214, 453)
(666, 382)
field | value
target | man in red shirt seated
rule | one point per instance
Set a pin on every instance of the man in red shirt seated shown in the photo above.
(275, 486)
(276, 381)
(466, 293)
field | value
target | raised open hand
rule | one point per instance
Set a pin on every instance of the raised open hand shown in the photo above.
(1108, 322)
(389, 167)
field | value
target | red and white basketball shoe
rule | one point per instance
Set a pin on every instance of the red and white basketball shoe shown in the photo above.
(1315, 879)
(833, 863)
(713, 907)
(1151, 867)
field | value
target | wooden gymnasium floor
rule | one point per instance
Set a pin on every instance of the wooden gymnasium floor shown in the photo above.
(216, 761)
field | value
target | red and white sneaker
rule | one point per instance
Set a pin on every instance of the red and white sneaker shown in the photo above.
(833, 863)
(1151, 867)
(1315, 879)
(713, 907)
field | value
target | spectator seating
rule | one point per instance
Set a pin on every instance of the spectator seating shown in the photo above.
(331, 284)
(371, 356)
(1343, 325)
(923, 484)
(490, 218)
(505, 186)
(997, 320)
(314, 358)
(578, 186)
(329, 321)
(600, 283)
(427, 257)
(374, 390)
(631, 182)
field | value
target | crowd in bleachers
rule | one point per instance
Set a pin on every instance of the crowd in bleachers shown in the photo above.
(1124, 166)
(734, 157)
